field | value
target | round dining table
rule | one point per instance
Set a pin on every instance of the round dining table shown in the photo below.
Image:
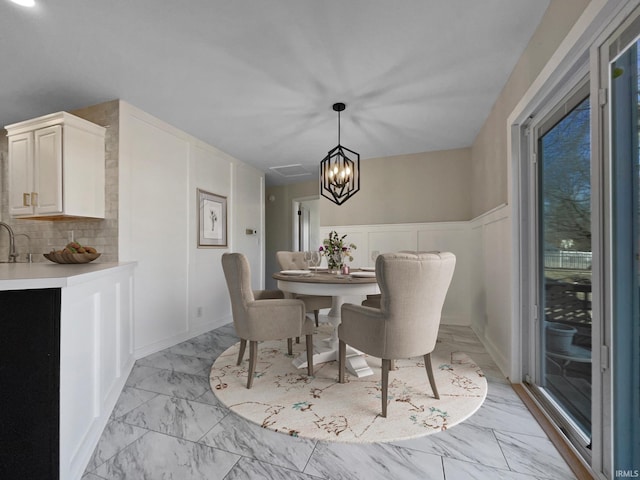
(338, 287)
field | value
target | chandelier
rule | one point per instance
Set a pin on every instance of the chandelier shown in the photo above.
(340, 170)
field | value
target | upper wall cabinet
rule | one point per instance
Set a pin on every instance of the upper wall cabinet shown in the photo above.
(56, 168)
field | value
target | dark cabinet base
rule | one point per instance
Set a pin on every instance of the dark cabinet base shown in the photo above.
(30, 383)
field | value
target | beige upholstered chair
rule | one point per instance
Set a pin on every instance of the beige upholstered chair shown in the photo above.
(260, 315)
(374, 300)
(413, 287)
(295, 261)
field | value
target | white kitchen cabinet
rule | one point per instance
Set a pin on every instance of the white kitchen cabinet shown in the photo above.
(56, 168)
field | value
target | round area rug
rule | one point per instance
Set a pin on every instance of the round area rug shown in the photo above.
(286, 400)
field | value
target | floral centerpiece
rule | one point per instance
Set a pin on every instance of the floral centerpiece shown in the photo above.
(336, 249)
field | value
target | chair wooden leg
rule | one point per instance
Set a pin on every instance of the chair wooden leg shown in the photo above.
(342, 358)
(297, 339)
(290, 346)
(310, 355)
(315, 314)
(243, 346)
(385, 384)
(253, 359)
(427, 365)
(392, 365)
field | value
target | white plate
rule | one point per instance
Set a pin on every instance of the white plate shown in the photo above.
(363, 274)
(295, 272)
(368, 269)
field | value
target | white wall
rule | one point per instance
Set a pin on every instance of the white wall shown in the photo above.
(248, 214)
(180, 289)
(445, 236)
(210, 171)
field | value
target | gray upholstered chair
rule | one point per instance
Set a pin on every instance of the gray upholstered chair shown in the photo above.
(413, 287)
(260, 315)
(295, 261)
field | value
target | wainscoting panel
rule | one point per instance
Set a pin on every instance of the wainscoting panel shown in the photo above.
(391, 241)
(442, 236)
(481, 290)
(95, 361)
(491, 271)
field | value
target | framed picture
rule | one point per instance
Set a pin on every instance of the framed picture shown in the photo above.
(212, 220)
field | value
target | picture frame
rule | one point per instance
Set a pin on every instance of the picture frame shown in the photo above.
(212, 219)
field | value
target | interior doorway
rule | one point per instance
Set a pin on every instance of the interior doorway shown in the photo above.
(306, 223)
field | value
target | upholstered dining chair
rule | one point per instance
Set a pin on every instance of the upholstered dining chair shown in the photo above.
(295, 261)
(413, 287)
(260, 315)
(374, 300)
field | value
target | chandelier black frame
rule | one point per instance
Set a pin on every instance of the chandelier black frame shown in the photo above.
(340, 170)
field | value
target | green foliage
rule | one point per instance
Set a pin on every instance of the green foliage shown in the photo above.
(336, 249)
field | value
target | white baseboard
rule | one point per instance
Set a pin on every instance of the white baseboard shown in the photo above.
(456, 320)
(146, 350)
(496, 354)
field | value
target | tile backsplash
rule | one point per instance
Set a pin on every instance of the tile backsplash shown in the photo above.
(42, 236)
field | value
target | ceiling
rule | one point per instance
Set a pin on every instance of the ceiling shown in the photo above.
(257, 78)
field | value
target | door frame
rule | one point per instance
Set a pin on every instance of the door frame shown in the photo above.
(575, 57)
(295, 206)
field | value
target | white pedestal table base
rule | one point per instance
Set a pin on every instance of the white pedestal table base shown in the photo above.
(326, 350)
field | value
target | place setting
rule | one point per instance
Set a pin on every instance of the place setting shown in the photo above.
(295, 272)
(363, 273)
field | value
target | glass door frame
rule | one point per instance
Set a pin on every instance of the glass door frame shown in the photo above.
(560, 105)
(582, 58)
(597, 457)
(616, 44)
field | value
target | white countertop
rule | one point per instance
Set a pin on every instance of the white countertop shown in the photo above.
(25, 276)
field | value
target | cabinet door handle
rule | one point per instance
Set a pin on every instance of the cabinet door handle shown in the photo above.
(26, 199)
(34, 199)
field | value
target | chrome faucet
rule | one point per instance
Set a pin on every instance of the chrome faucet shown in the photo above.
(28, 255)
(12, 243)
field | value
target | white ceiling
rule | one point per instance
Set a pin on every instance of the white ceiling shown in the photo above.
(257, 78)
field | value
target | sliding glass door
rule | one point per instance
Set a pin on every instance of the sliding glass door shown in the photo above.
(580, 250)
(625, 206)
(563, 349)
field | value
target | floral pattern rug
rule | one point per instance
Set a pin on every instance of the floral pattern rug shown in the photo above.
(286, 400)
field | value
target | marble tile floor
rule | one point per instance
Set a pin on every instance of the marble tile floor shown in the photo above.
(168, 425)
